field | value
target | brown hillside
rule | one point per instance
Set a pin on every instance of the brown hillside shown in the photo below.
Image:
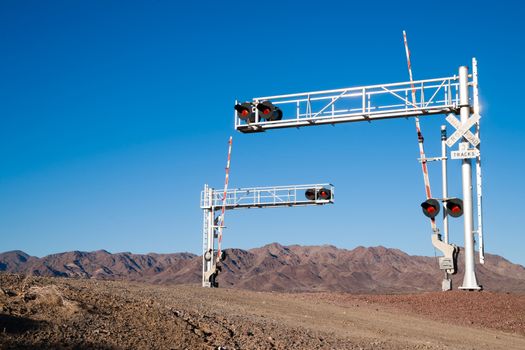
(274, 268)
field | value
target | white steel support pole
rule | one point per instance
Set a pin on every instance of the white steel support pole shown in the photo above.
(204, 233)
(204, 237)
(469, 280)
(444, 177)
(211, 239)
(447, 282)
(479, 193)
(208, 254)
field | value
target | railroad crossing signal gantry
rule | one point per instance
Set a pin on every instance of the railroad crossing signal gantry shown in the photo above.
(454, 95)
(212, 201)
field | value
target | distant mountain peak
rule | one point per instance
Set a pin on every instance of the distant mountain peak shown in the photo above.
(102, 251)
(19, 253)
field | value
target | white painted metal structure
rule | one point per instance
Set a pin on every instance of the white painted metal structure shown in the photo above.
(365, 103)
(469, 281)
(450, 95)
(212, 201)
(479, 190)
(444, 178)
(446, 284)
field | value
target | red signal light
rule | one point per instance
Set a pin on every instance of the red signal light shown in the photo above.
(245, 112)
(430, 208)
(454, 207)
(324, 193)
(268, 111)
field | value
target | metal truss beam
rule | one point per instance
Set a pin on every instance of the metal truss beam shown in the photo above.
(365, 103)
(264, 197)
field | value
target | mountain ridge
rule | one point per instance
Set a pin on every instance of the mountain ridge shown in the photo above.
(273, 267)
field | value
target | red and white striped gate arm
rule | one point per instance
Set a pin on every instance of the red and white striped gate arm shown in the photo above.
(223, 210)
(420, 138)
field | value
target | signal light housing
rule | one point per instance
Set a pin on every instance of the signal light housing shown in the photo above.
(313, 194)
(268, 111)
(324, 194)
(245, 112)
(430, 208)
(454, 207)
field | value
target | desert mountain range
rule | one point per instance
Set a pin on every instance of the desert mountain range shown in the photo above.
(274, 268)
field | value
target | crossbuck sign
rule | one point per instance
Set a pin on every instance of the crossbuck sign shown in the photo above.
(463, 130)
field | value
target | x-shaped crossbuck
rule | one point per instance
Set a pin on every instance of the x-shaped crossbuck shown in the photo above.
(463, 130)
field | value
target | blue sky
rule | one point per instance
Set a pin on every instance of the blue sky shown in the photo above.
(114, 114)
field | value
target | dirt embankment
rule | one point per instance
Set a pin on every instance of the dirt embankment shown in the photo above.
(53, 313)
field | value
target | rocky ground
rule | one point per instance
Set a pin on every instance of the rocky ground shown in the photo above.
(58, 313)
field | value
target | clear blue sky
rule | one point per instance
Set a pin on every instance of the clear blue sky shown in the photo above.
(113, 115)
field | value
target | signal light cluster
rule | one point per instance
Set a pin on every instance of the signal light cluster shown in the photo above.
(266, 110)
(322, 193)
(453, 206)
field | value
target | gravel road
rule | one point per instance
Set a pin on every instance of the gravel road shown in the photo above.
(55, 313)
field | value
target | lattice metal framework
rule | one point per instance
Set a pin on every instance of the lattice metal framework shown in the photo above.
(365, 103)
(259, 197)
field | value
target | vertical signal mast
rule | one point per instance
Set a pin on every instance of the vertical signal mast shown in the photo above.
(450, 251)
